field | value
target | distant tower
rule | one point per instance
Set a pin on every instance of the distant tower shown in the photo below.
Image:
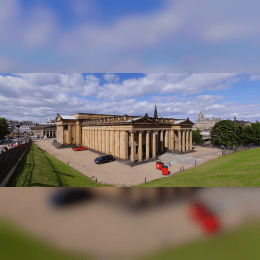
(155, 112)
(235, 119)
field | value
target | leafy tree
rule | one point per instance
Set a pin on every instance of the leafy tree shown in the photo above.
(3, 128)
(226, 132)
(196, 137)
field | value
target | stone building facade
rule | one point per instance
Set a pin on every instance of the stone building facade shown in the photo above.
(205, 123)
(43, 130)
(125, 137)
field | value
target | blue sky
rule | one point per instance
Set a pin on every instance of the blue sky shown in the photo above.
(39, 96)
(97, 36)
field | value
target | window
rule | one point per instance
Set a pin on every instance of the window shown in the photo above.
(65, 127)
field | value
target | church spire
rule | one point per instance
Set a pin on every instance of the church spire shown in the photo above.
(155, 112)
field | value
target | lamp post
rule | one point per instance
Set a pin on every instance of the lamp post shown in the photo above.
(18, 126)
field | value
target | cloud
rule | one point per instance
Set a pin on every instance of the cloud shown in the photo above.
(111, 77)
(24, 95)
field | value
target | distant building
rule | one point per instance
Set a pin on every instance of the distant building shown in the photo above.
(205, 124)
(244, 123)
(26, 126)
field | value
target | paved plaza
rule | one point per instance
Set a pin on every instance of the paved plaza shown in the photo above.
(119, 174)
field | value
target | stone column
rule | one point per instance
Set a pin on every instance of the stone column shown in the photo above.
(93, 139)
(148, 144)
(96, 140)
(117, 147)
(172, 141)
(99, 141)
(154, 144)
(179, 143)
(103, 141)
(140, 148)
(80, 133)
(190, 139)
(167, 140)
(107, 141)
(162, 148)
(187, 140)
(69, 135)
(126, 144)
(183, 141)
(112, 142)
(132, 147)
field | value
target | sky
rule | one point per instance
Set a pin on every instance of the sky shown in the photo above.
(100, 36)
(40, 96)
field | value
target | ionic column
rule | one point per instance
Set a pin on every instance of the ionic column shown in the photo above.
(125, 133)
(96, 139)
(112, 143)
(154, 144)
(187, 141)
(80, 133)
(99, 141)
(190, 139)
(183, 141)
(116, 143)
(172, 141)
(148, 144)
(162, 141)
(179, 143)
(167, 140)
(140, 148)
(103, 141)
(107, 141)
(69, 135)
(132, 146)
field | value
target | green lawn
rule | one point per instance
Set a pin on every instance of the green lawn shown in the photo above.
(239, 244)
(239, 169)
(242, 243)
(40, 169)
(15, 243)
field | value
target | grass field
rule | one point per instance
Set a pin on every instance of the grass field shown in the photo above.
(18, 244)
(239, 244)
(239, 169)
(40, 169)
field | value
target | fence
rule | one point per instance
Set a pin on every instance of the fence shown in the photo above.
(9, 158)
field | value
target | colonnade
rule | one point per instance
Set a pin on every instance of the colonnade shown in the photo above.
(123, 143)
(51, 133)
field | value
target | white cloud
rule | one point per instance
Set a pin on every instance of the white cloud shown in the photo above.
(111, 77)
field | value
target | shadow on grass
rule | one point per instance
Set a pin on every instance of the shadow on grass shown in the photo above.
(36, 184)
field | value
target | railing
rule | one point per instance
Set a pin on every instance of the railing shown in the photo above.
(9, 158)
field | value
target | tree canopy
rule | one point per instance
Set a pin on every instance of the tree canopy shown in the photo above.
(3, 128)
(196, 137)
(227, 133)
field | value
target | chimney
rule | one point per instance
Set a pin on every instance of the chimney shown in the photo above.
(235, 120)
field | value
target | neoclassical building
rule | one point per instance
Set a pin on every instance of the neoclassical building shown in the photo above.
(125, 137)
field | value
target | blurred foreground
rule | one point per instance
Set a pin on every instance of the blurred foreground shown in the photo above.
(55, 221)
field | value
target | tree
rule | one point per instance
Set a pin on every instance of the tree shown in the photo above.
(196, 137)
(3, 128)
(225, 132)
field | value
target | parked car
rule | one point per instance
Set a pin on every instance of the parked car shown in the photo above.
(80, 148)
(104, 158)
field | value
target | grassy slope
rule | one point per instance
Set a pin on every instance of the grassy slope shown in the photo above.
(239, 244)
(15, 243)
(40, 169)
(240, 169)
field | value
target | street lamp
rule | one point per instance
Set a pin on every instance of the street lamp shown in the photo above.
(18, 126)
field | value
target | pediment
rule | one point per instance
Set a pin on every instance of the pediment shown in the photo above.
(145, 120)
(187, 122)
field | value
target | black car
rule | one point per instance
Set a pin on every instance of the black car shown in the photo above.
(104, 158)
